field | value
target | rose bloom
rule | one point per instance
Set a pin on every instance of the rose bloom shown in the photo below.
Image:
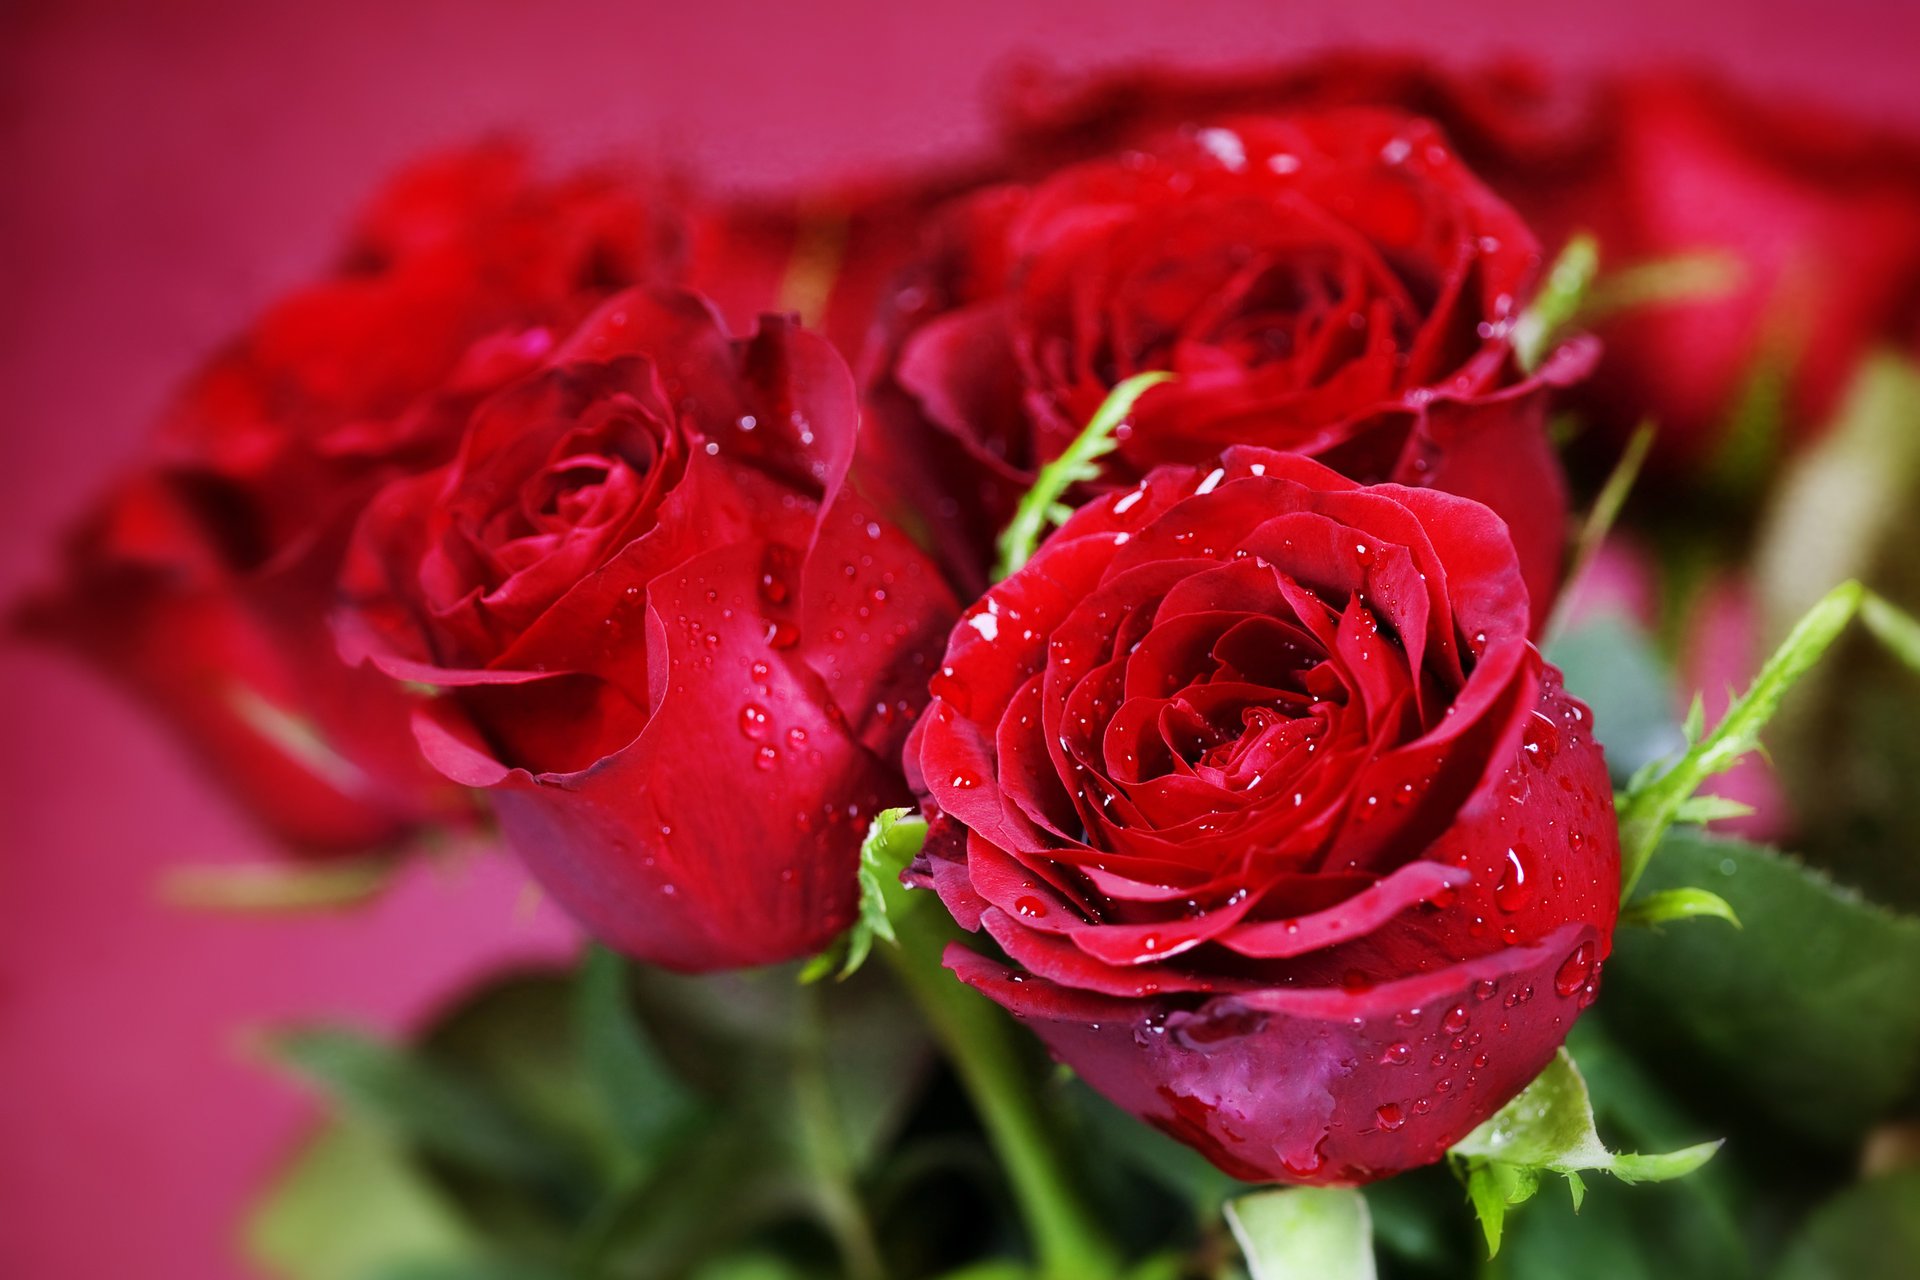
(1295, 845)
(202, 582)
(1817, 219)
(1334, 284)
(1812, 217)
(678, 653)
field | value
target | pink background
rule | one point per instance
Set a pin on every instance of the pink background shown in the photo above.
(165, 169)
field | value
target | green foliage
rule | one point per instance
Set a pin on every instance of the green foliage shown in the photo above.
(1304, 1233)
(1651, 910)
(893, 840)
(552, 1129)
(1806, 1015)
(351, 1202)
(1847, 505)
(637, 1092)
(1079, 464)
(1870, 1232)
(422, 1103)
(1549, 1128)
(1557, 304)
(1652, 804)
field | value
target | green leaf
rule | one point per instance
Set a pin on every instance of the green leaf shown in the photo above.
(271, 888)
(1654, 909)
(893, 840)
(1687, 277)
(500, 1268)
(1806, 1016)
(810, 1086)
(1548, 1127)
(1619, 1232)
(1079, 464)
(349, 1202)
(1558, 302)
(420, 1102)
(1650, 808)
(1847, 505)
(1869, 1232)
(1646, 1231)
(645, 1103)
(1304, 1233)
(1896, 629)
(1700, 810)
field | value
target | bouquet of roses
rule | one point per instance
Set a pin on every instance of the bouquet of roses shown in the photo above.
(1160, 590)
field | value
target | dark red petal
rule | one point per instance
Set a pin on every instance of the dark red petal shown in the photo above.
(1313, 1086)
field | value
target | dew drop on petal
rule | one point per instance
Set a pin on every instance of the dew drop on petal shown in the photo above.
(1573, 972)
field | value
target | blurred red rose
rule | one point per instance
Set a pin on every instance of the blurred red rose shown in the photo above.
(1816, 216)
(1297, 847)
(1336, 284)
(680, 655)
(204, 581)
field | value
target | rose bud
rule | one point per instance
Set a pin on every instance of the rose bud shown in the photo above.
(678, 653)
(203, 583)
(1295, 845)
(1337, 285)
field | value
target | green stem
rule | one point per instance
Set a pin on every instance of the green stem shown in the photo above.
(825, 1139)
(980, 1043)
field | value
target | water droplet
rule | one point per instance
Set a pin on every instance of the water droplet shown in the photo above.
(1514, 890)
(766, 757)
(1455, 1021)
(1030, 907)
(964, 781)
(1395, 1055)
(1573, 972)
(947, 687)
(753, 721)
(1484, 989)
(1390, 1116)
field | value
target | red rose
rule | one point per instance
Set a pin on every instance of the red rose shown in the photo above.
(1297, 847)
(1817, 214)
(1505, 117)
(204, 582)
(1337, 285)
(680, 656)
